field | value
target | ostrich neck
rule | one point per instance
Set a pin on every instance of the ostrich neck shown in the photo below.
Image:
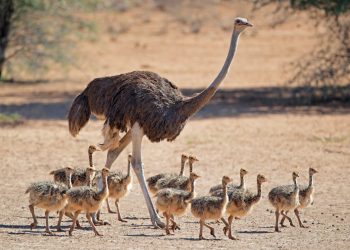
(104, 189)
(191, 166)
(242, 182)
(258, 195)
(192, 188)
(182, 167)
(129, 167)
(311, 181)
(90, 159)
(193, 104)
(295, 184)
(69, 181)
(224, 185)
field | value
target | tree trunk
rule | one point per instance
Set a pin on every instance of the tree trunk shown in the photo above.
(6, 10)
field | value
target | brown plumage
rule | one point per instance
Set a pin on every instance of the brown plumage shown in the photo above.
(48, 195)
(283, 198)
(306, 197)
(242, 173)
(139, 96)
(240, 203)
(88, 200)
(210, 208)
(152, 181)
(177, 182)
(79, 176)
(172, 202)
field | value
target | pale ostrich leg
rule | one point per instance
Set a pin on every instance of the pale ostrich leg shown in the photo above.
(142, 103)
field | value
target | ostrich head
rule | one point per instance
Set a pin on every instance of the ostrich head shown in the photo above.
(184, 157)
(68, 170)
(192, 158)
(243, 172)
(226, 180)
(194, 176)
(261, 178)
(129, 157)
(241, 24)
(312, 171)
(92, 149)
(295, 175)
(105, 172)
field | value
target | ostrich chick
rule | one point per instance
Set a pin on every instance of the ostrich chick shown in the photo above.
(210, 208)
(152, 181)
(282, 198)
(90, 172)
(242, 173)
(178, 182)
(240, 204)
(119, 185)
(172, 202)
(79, 176)
(48, 195)
(87, 199)
(306, 197)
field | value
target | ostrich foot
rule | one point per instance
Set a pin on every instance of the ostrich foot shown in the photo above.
(157, 223)
(33, 225)
(122, 220)
(48, 231)
(232, 237)
(225, 230)
(277, 229)
(212, 232)
(98, 234)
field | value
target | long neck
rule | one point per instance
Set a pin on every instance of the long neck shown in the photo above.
(296, 187)
(182, 167)
(224, 186)
(242, 182)
(192, 188)
(193, 104)
(256, 198)
(129, 167)
(104, 189)
(311, 181)
(91, 164)
(191, 166)
(69, 181)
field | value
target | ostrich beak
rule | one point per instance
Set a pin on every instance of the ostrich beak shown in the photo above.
(249, 24)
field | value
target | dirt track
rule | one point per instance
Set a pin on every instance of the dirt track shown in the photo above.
(265, 138)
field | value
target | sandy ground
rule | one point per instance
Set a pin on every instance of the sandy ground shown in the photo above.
(262, 137)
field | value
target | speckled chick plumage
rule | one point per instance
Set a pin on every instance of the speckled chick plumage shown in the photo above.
(232, 186)
(48, 195)
(210, 207)
(285, 197)
(177, 182)
(152, 181)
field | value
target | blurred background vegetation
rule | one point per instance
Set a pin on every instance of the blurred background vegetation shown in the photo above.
(37, 34)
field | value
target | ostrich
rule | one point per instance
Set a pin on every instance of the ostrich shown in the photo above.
(142, 103)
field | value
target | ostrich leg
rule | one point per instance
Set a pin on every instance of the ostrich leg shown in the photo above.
(113, 154)
(111, 157)
(136, 137)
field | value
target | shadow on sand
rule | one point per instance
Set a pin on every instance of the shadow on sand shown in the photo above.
(225, 103)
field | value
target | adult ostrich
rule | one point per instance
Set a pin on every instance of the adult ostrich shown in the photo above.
(142, 103)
